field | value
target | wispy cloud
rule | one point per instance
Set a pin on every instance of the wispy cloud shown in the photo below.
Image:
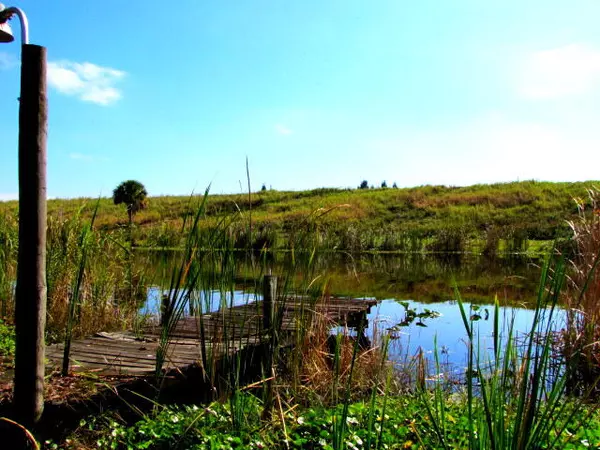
(8, 61)
(563, 71)
(86, 158)
(283, 130)
(86, 81)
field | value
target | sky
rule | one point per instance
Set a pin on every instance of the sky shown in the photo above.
(314, 93)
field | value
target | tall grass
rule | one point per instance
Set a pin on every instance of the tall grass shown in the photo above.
(8, 257)
(184, 283)
(581, 338)
(107, 298)
(75, 294)
(516, 396)
(94, 282)
(208, 266)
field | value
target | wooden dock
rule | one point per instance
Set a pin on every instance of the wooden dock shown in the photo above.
(224, 332)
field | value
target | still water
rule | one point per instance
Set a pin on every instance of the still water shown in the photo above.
(446, 334)
(418, 283)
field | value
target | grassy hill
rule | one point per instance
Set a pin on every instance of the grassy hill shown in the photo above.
(488, 218)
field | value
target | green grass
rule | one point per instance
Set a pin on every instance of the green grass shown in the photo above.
(400, 423)
(502, 217)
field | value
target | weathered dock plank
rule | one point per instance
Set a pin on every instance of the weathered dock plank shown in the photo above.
(225, 332)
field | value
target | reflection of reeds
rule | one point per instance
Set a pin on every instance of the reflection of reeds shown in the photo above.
(581, 338)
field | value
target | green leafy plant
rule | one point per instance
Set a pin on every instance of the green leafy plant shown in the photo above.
(7, 340)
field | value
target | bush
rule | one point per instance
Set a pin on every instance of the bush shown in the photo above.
(7, 340)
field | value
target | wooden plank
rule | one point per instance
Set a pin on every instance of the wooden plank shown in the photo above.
(134, 356)
(78, 354)
(78, 347)
(225, 332)
(83, 361)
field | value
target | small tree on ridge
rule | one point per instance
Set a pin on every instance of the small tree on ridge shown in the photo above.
(133, 194)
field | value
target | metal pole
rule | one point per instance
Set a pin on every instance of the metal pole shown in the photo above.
(30, 307)
(7, 12)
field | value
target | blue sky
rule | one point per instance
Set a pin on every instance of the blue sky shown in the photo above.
(315, 93)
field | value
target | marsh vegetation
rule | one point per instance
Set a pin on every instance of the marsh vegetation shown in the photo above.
(522, 385)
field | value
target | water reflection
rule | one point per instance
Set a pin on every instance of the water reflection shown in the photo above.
(420, 281)
(449, 332)
(207, 301)
(420, 277)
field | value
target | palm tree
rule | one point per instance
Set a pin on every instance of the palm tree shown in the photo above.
(133, 194)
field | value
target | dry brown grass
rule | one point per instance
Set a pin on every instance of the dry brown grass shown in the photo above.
(319, 378)
(581, 338)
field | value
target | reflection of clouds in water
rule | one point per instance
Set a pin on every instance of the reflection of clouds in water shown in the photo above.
(446, 334)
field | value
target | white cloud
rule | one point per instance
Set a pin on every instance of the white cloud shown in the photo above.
(5, 196)
(283, 130)
(8, 61)
(86, 81)
(563, 71)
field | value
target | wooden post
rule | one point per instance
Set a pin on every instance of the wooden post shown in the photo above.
(30, 307)
(269, 297)
(164, 309)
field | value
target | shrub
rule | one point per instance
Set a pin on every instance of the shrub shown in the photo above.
(7, 340)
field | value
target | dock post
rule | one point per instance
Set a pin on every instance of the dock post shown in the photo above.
(269, 297)
(164, 309)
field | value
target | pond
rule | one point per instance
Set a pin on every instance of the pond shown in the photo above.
(445, 332)
(418, 283)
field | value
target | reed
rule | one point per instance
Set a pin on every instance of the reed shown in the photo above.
(74, 301)
(97, 268)
(516, 397)
(8, 257)
(581, 337)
